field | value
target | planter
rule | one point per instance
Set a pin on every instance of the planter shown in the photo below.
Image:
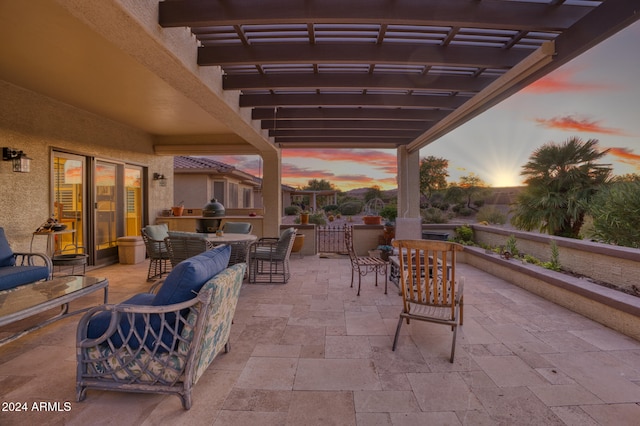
(298, 242)
(372, 220)
(177, 211)
(613, 308)
(304, 218)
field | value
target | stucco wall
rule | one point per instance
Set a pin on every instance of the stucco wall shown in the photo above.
(37, 124)
(603, 262)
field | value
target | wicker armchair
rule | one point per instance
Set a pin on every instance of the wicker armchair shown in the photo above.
(183, 245)
(268, 258)
(153, 237)
(167, 349)
(237, 227)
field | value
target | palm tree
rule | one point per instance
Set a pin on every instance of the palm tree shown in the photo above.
(561, 179)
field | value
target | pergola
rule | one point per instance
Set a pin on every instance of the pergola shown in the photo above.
(214, 77)
(313, 196)
(385, 74)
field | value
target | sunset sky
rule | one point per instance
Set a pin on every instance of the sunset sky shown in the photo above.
(595, 96)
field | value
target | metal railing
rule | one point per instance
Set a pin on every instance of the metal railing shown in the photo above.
(331, 239)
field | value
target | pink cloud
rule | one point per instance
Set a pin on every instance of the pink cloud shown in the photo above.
(563, 81)
(625, 155)
(570, 123)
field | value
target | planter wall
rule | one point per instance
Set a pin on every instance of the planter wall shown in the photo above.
(612, 308)
(602, 262)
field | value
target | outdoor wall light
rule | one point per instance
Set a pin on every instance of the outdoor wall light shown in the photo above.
(21, 163)
(162, 181)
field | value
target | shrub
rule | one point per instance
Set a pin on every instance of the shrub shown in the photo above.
(330, 208)
(511, 246)
(465, 211)
(291, 210)
(317, 218)
(464, 234)
(350, 208)
(433, 215)
(389, 212)
(615, 214)
(491, 214)
(554, 263)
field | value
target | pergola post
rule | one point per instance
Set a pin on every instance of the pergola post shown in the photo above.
(271, 193)
(408, 182)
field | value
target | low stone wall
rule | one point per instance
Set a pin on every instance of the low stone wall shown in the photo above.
(612, 308)
(619, 266)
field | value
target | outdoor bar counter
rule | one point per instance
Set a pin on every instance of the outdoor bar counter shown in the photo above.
(189, 223)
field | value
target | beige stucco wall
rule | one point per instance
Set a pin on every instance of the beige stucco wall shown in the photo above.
(37, 124)
(603, 262)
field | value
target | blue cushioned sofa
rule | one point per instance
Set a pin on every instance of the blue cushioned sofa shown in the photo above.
(162, 342)
(18, 269)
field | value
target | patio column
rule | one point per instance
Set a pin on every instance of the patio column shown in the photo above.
(271, 193)
(408, 182)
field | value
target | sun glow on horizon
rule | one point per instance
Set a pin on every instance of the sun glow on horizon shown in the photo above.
(505, 178)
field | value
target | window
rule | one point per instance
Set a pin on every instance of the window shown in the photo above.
(233, 195)
(247, 197)
(218, 191)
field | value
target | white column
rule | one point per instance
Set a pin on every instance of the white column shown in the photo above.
(271, 193)
(408, 183)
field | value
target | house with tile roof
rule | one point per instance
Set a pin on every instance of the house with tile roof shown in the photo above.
(199, 179)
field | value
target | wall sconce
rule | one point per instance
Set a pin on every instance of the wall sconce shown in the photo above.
(162, 181)
(21, 163)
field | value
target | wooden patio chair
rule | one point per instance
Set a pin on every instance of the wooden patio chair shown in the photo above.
(364, 265)
(430, 291)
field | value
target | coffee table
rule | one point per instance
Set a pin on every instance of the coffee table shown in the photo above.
(31, 299)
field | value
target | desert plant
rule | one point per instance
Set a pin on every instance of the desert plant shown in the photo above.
(554, 263)
(350, 208)
(616, 214)
(317, 218)
(389, 212)
(561, 180)
(291, 210)
(433, 215)
(511, 245)
(465, 211)
(491, 214)
(464, 235)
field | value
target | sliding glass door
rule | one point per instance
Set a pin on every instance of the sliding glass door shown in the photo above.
(69, 177)
(99, 200)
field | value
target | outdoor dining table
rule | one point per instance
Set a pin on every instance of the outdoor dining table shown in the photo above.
(239, 244)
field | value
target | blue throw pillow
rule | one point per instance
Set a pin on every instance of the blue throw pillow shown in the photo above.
(188, 277)
(6, 254)
(100, 323)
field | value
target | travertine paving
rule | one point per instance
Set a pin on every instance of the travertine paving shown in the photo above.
(313, 353)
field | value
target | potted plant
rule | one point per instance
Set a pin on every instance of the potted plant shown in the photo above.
(304, 217)
(372, 209)
(385, 251)
(298, 242)
(178, 210)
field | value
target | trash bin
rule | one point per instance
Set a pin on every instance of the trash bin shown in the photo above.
(131, 250)
(429, 235)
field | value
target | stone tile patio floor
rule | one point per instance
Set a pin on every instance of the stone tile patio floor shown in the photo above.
(312, 353)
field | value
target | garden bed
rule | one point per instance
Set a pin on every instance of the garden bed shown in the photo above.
(615, 309)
